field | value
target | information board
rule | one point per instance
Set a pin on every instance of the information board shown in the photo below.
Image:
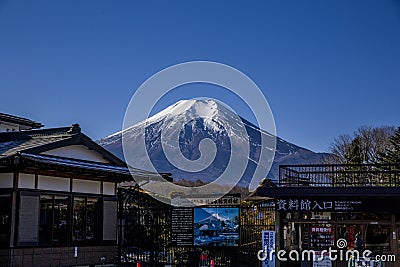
(216, 223)
(335, 204)
(321, 236)
(182, 227)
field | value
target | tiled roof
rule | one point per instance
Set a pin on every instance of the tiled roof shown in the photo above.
(87, 169)
(75, 163)
(12, 147)
(25, 147)
(38, 141)
(13, 142)
(19, 120)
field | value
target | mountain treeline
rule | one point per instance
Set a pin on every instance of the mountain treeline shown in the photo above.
(366, 145)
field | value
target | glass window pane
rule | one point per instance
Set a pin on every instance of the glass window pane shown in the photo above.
(92, 218)
(46, 219)
(377, 238)
(5, 214)
(60, 230)
(79, 218)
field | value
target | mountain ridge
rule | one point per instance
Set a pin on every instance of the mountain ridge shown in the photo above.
(202, 119)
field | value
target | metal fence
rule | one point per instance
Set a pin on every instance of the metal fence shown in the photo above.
(340, 175)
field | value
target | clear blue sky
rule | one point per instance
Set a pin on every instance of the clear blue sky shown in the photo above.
(326, 67)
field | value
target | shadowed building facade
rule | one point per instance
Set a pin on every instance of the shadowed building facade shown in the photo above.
(58, 197)
(343, 207)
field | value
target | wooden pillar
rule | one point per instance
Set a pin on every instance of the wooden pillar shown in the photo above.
(13, 218)
(336, 237)
(278, 236)
(120, 238)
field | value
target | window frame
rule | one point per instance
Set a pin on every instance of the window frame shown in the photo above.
(98, 238)
(8, 226)
(97, 241)
(68, 227)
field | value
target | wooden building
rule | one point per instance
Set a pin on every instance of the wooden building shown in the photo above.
(349, 207)
(58, 203)
(10, 123)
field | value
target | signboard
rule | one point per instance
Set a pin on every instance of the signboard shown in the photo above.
(324, 262)
(315, 204)
(227, 200)
(182, 227)
(321, 236)
(348, 205)
(206, 200)
(268, 244)
(304, 204)
(214, 224)
(321, 215)
(368, 263)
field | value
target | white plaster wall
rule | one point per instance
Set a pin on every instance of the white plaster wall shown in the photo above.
(108, 188)
(6, 180)
(53, 183)
(77, 152)
(86, 186)
(8, 127)
(26, 181)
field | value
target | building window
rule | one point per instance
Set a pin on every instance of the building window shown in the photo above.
(53, 227)
(86, 218)
(5, 214)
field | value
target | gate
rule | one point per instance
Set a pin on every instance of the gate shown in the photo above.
(145, 234)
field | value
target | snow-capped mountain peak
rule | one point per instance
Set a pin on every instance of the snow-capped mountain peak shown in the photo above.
(194, 120)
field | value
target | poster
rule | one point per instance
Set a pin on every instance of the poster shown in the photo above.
(216, 226)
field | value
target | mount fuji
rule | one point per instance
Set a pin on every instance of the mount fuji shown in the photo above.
(193, 121)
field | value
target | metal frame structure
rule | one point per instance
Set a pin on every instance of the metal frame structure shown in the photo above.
(145, 223)
(144, 227)
(339, 175)
(374, 187)
(145, 232)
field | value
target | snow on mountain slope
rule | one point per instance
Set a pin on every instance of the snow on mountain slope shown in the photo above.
(195, 120)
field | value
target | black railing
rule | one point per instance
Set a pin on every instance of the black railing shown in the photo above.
(340, 175)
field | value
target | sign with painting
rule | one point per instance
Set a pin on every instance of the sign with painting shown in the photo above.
(214, 224)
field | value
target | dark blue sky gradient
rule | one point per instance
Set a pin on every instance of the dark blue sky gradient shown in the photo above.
(326, 67)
